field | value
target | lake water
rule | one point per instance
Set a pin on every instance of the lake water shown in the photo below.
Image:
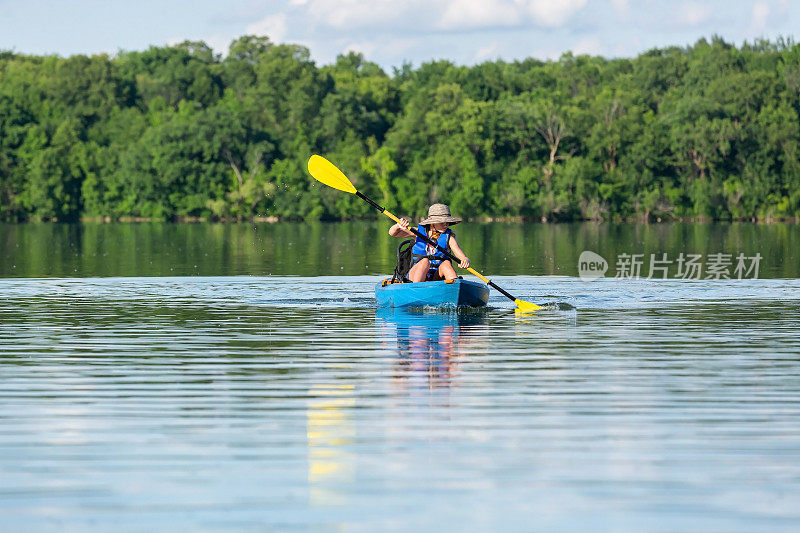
(239, 377)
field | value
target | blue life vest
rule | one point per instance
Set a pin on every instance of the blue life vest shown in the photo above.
(422, 249)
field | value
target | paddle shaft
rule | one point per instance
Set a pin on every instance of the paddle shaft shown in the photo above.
(432, 243)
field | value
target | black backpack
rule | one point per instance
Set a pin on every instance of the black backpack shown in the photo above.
(403, 262)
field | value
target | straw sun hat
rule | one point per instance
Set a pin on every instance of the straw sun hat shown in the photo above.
(440, 213)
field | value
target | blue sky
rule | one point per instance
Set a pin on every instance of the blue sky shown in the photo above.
(390, 32)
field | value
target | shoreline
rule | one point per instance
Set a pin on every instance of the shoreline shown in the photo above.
(479, 220)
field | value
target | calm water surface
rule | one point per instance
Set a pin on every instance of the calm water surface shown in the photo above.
(287, 402)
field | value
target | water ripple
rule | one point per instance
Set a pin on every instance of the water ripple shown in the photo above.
(293, 404)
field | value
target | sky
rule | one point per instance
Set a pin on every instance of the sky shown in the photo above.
(393, 32)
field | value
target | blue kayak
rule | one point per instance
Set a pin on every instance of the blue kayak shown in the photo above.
(454, 293)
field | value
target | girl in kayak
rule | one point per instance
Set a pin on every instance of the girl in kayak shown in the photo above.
(428, 263)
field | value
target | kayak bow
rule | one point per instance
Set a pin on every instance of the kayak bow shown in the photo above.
(452, 293)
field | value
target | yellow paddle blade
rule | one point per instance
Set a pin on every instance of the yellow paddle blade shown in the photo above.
(326, 172)
(526, 307)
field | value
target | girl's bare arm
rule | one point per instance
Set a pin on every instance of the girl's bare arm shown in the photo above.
(458, 252)
(401, 229)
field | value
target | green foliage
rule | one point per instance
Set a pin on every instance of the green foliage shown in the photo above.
(708, 131)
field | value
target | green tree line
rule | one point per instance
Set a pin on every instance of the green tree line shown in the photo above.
(709, 131)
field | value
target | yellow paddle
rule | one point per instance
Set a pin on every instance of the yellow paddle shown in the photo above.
(326, 172)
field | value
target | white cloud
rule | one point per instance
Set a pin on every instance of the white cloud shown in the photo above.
(477, 13)
(219, 43)
(589, 46)
(621, 7)
(553, 13)
(357, 14)
(758, 20)
(487, 53)
(551, 53)
(472, 31)
(273, 26)
(367, 48)
(326, 51)
(694, 13)
(391, 31)
(450, 15)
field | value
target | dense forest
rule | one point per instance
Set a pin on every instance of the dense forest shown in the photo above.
(709, 131)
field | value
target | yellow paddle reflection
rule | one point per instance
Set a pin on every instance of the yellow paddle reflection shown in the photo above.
(330, 430)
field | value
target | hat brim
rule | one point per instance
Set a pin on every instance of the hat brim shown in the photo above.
(441, 218)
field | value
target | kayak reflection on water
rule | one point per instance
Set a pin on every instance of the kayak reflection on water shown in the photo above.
(430, 343)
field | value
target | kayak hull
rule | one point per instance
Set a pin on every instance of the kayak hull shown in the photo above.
(458, 293)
